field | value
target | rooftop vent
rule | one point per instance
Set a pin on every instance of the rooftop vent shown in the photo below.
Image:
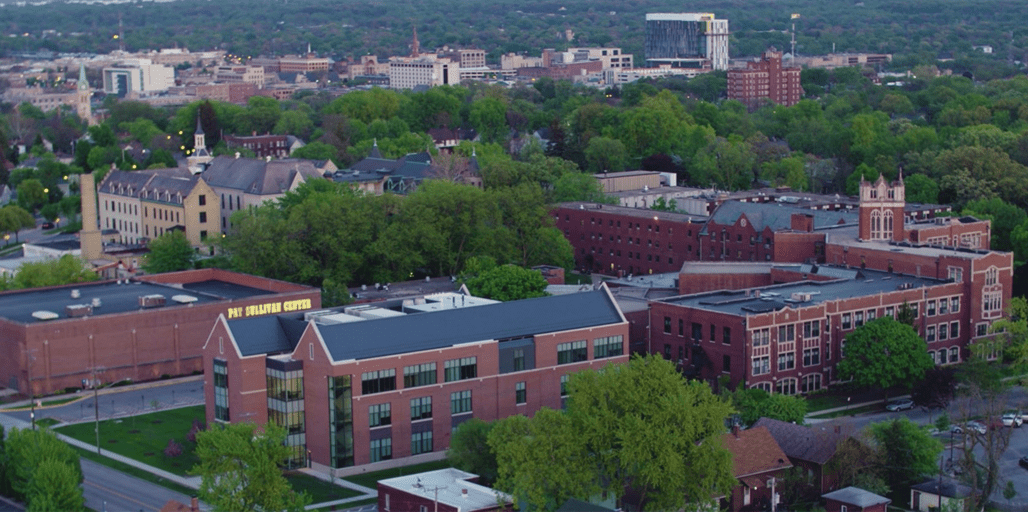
(75, 294)
(96, 302)
(184, 299)
(151, 301)
(43, 316)
(78, 310)
(801, 297)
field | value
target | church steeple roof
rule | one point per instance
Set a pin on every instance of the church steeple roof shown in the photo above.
(83, 81)
(199, 129)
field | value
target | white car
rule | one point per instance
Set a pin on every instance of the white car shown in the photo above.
(972, 426)
(1013, 419)
(900, 405)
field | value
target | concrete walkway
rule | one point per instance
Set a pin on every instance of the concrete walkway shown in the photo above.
(87, 394)
(367, 493)
(192, 482)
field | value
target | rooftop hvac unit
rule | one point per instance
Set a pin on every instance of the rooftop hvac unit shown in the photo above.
(78, 310)
(44, 315)
(151, 301)
(184, 299)
(97, 302)
(801, 297)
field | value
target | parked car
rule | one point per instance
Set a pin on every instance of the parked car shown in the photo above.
(47, 225)
(971, 426)
(1023, 461)
(900, 404)
(1013, 419)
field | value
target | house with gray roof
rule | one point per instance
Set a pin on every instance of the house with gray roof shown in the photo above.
(855, 499)
(243, 182)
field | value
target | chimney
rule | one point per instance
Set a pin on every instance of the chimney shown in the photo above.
(735, 431)
(464, 493)
(194, 504)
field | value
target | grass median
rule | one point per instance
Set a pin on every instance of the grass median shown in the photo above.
(145, 437)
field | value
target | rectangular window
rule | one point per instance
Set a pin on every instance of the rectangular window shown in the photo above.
(954, 329)
(761, 337)
(954, 304)
(761, 365)
(943, 306)
(713, 333)
(981, 329)
(461, 369)
(930, 333)
(609, 346)
(786, 361)
(202, 199)
(378, 382)
(812, 329)
(380, 415)
(681, 327)
(572, 352)
(846, 321)
(221, 390)
(931, 308)
(519, 359)
(421, 442)
(564, 385)
(943, 332)
(420, 408)
(871, 314)
(419, 375)
(811, 356)
(858, 318)
(726, 363)
(697, 331)
(203, 217)
(786, 333)
(460, 402)
(727, 339)
(667, 325)
(381, 449)
(890, 311)
(520, 393)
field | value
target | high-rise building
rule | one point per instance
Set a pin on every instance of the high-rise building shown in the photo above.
(686, 40)
(765, 79)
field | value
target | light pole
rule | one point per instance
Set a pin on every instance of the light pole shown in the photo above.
(96, 404)
(32, 396)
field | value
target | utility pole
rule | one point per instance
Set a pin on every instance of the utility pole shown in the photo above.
(96, 402)
(29, 359)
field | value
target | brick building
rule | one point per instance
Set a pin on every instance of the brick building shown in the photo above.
(442, 490)
(143, 205)
(824, 273)
(757, 461)
(137, 329)
(369, 383)
(765, 79)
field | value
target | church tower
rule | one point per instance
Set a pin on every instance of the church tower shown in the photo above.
(200, 156)
(881, 210)
(85, 95)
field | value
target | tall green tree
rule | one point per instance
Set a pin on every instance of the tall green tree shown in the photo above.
(25, 452)
(31, 195)
(508, 282)
(470, 451)
(54, 486)
(169, 252)
(240, 469)
(908, 454)
(67, 269)
(14, 219)
(884, 353)
(754, 403)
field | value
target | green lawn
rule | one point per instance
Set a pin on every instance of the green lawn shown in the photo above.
(573, 278)
(46, 422)
(134, 471)
(144, 437)
(319, 490)
(371, 479)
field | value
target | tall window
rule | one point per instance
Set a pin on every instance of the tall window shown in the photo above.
(811, 356)
(991, 276)
(420, 408)
(520, 393)
(667, 325)
(221, 390)
(786, 387)
(460, 402)
(381, 449)
(846, 322)
(421, 442)
(786, 361)
(564, 385)
(727, 338)
(519, 359)
(697, 331)
(380, 415)
(954, 304)
(572, 352)
(419, 375)
(461, 369)
(810, 383)
(761, 365)
(340, 412)
(786, 333)
(761, 337)
(609, 346)
(812, 329)
(378, 382)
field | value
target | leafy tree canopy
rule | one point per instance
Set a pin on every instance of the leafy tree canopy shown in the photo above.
(884, 353)
(169, 252)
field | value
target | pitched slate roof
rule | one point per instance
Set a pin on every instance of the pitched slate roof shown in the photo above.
(776, 216)
(754, 451)
(799, 442)
(949, 488)
(857, 497)
(173, 181)
(426, 331)
(257, 176)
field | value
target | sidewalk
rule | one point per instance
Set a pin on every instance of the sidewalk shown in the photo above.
(810, 416)
(367, 492)
(88, 393)
(192, 482)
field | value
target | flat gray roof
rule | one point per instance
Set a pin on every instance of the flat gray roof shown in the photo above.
(19, 305)
(641, 213)
(848, 283)
(847, 236)
(433, 330)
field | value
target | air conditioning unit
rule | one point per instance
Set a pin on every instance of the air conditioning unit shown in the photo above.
(78, 310)
(151, 301)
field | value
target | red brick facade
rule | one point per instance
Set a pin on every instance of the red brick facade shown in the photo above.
(765, 80)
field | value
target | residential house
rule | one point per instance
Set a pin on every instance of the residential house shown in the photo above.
(855, 499)
(808, 447)
(757, 463)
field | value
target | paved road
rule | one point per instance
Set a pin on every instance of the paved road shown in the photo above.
(113, 491)
(118, 404)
